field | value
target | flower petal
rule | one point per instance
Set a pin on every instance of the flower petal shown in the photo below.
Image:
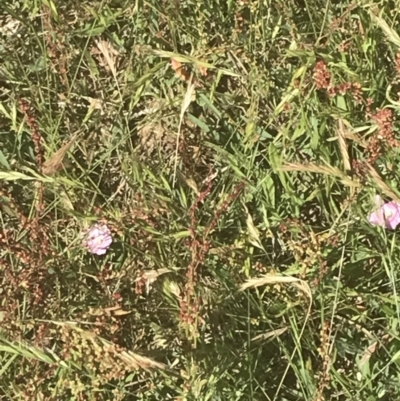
(392, 215)
(93, 233)
(378, 201)
(98, 239)
(377, 218)
(100, 251)
(106, 242)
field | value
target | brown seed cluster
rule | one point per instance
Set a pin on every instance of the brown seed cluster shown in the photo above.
(323, 81)
(27, 253)
(322, 77)
(338, 23)
(360, 169)
(34, 131)
(384, 138)
(323, 379)
(199, 247)
(397, 64)
(23, 269)
(55, 45)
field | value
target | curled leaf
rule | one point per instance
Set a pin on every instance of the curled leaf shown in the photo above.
(55, 162)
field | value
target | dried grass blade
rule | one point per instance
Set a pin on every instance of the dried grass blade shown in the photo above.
(312, 168)
(267, 279)
(109, 54)
(390, 33)
(319, 169)
(342, 145)
(381, 184)
(190, 90)
(269, 334)
(355, 138)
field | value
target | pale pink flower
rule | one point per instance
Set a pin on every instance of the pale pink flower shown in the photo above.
(98, 239)
(386, 215)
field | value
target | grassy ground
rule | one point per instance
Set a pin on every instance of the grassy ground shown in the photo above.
(234, 148)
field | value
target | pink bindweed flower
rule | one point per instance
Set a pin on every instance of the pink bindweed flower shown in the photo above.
(98, 239)
(386, 215)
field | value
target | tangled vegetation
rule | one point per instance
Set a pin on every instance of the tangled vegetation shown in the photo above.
(187, 199)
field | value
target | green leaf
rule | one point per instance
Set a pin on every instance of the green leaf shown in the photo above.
(274, 158)
(202, 125)
(181, 234)
(314, 133)
(4, 161)
(206, 101)
(396, 356)
(15, 176)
